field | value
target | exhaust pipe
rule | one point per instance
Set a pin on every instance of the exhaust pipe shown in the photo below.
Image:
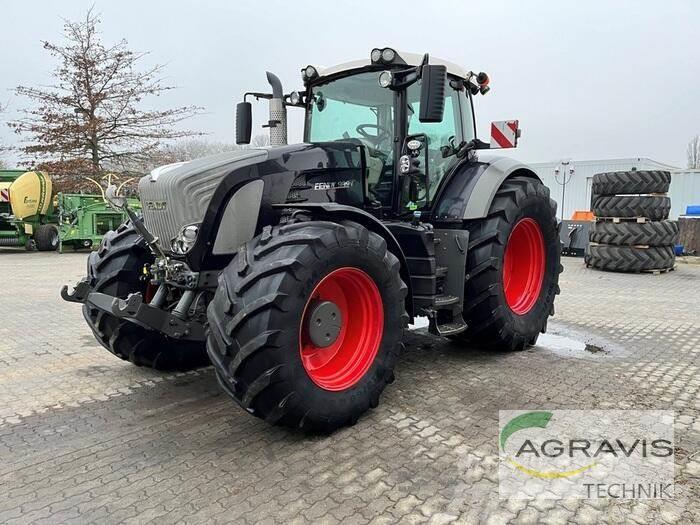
(278, 113)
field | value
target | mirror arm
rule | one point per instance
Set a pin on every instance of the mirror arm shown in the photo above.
(410, 76)
(465, 147)
(257, 96)
(147, 236)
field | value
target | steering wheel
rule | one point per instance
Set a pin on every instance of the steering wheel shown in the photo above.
(381, 132)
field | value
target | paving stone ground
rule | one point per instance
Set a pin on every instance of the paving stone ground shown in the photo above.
(85, 437)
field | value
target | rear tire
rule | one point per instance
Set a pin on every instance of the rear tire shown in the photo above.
(509, 316)
(629, 258)
(116, 269)
(46, 237)
(257, 325)
(621, 182)
(653, 207)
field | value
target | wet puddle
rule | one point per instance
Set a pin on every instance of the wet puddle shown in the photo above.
(575, 345)
(562, 341)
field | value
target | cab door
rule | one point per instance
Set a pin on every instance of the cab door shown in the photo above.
(439, 136)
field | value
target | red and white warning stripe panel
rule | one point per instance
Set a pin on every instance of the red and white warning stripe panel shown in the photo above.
(504, 134)
(5, 195)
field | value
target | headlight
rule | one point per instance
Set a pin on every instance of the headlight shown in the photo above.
(295, 98)
(185, 239)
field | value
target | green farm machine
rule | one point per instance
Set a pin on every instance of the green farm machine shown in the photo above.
(85, 219)
(27, 216)
(31, 217)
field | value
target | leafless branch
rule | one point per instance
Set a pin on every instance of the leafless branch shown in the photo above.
(93, 112)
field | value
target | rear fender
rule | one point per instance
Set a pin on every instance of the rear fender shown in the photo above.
(337, 212)
(469, 192)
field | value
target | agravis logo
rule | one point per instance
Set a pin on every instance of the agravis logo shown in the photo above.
(534, 420)
(578, 453)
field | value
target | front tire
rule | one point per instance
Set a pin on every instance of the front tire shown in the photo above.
(116, 269)
(261, 338)
(513, 266)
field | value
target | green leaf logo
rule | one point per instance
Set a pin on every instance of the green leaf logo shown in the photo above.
(527, 420)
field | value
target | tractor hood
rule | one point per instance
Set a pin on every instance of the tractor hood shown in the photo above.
(210, 192)
(176, 195)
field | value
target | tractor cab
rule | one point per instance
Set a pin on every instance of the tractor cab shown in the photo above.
(413, 117)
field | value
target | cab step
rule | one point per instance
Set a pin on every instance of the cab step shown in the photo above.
(442, 301)
(456, 326)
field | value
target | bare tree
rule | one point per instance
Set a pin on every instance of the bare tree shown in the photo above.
(188, 149)
(92, 115)
(260, 140)
(694, 153)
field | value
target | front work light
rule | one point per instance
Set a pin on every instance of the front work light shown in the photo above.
(309, 73)
(385, 79)
(388, 55)
(384, 56)
(294, 98)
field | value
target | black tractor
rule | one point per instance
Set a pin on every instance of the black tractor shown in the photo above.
(295, 269)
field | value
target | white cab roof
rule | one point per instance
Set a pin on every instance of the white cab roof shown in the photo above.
(412, 59)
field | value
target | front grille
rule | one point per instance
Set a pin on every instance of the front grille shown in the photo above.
(185, 201)
(180, 196)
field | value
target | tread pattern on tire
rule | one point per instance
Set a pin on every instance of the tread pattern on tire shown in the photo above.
(262, 281)
(655, 207)
(489, 324)
(629, 258)
(115, 269)
(661, 233)
(629, 182)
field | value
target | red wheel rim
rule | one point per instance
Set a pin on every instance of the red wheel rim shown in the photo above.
(342, 364)
(523, 266)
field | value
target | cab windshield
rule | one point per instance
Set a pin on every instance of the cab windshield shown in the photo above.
(356, 109)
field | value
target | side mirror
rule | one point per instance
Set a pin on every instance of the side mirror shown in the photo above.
(432, 93)
(244, 122)
(504, 134)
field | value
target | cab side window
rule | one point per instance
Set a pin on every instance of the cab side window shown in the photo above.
(438, 133)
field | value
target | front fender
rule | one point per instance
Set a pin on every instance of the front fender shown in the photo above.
(338, 212)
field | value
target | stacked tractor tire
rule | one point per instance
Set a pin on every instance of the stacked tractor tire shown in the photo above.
(632, 232)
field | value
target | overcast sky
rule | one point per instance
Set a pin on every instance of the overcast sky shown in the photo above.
(588, 80)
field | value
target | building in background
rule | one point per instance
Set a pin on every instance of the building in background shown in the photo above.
(685, 191)
(573, 179)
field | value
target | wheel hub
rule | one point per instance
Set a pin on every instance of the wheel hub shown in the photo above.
(325, 322)
(524, 266)
(337, 352)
